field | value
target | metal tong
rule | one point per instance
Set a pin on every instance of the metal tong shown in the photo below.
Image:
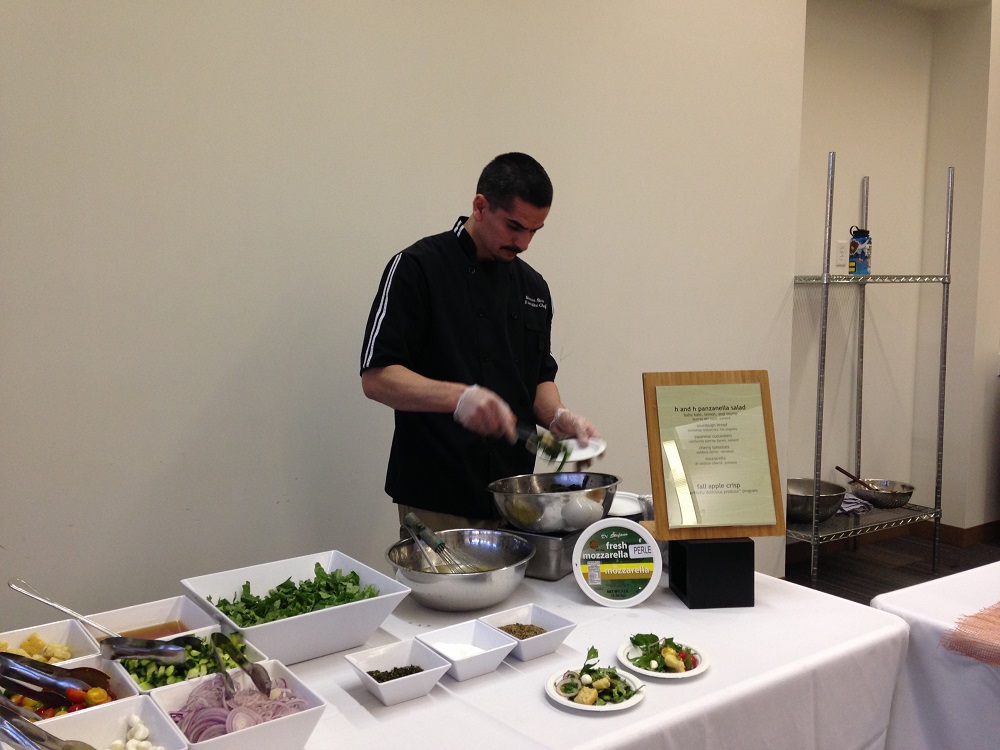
(24, 735)
(228, 688)
(258, 675)
(172, 651)
(50, 676)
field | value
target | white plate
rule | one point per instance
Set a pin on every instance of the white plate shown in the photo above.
(577, 452)
(627, 649)
(550, 690)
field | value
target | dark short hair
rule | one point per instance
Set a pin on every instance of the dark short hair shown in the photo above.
(515, 175)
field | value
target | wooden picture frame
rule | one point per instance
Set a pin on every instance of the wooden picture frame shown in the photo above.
(712, 457)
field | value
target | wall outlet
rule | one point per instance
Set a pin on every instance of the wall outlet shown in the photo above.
(841, 259)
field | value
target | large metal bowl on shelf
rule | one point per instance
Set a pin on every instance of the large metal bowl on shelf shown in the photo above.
(557, 502)
(800, 500)
(503, 556)
(890, 494)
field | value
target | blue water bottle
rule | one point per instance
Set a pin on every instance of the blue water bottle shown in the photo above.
(861, 252)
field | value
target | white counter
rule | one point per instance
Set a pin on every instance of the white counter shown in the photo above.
(800, 669)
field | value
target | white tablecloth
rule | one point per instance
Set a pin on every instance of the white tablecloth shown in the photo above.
(944, 699)
(800, 670)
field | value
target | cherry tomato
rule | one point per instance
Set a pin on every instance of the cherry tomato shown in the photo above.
(97, 696)
(46, 713)
(17, 698)
(76, 696)
(75, 707)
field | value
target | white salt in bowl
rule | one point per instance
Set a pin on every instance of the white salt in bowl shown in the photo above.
(473, 648)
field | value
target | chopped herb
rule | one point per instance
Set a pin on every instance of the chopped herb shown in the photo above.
(288, 599)
(391, 674)
(518, 630)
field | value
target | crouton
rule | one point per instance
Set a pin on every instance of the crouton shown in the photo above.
(587, 696)
(54, 652)
(33, 644)
(601, 684)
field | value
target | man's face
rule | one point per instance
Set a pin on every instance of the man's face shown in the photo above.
(501, 235)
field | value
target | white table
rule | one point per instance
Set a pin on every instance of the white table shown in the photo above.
(800, 669)
(944, 699)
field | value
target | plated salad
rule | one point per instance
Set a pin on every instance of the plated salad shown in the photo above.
(593, 685)
(658, 654)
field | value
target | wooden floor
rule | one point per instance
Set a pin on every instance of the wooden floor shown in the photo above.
(875, 568)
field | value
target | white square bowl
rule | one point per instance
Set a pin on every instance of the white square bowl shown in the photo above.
(285, 732)
(122, 684)
(102, 725)
(68, 633)
(174, 609)
(309, 635)
(556, 629)
(399, 654)
(473, 647)
(252, 653)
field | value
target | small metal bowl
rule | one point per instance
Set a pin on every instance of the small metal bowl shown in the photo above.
(505, 556)
(800, 497)
(547, 503)
(891, 494)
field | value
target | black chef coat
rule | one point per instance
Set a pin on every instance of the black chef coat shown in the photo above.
(447, 316)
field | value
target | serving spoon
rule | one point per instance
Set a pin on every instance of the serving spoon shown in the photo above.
(862, 482)
(21, 586)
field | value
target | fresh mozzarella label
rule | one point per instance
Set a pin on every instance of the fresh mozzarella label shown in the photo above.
(617, 562)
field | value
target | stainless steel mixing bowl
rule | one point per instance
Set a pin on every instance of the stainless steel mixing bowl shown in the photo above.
(504, 555)
(800, 497)
(891, 494)
(546, 503)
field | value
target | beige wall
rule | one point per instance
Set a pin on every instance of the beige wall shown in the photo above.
(867, 94)
(901, 94)
(198, 198)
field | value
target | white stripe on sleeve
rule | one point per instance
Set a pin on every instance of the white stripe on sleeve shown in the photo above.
(380, 313)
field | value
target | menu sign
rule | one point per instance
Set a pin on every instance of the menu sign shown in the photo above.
(712, 454)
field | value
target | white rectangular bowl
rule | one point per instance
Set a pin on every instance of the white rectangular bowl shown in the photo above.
(102, 725)
(179, 608)
(287, 733)
(122, 684)
(66, 632)
(473, 647)
(309, 635)
(399, 654)
(556, 629)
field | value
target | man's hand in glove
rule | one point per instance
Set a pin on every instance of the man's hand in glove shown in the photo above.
(565, 424)
(482, 411)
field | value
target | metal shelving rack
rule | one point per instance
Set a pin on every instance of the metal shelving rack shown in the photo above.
(850, 526)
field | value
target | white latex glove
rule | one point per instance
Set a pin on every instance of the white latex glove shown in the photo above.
(482, 411)
(565, 424)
